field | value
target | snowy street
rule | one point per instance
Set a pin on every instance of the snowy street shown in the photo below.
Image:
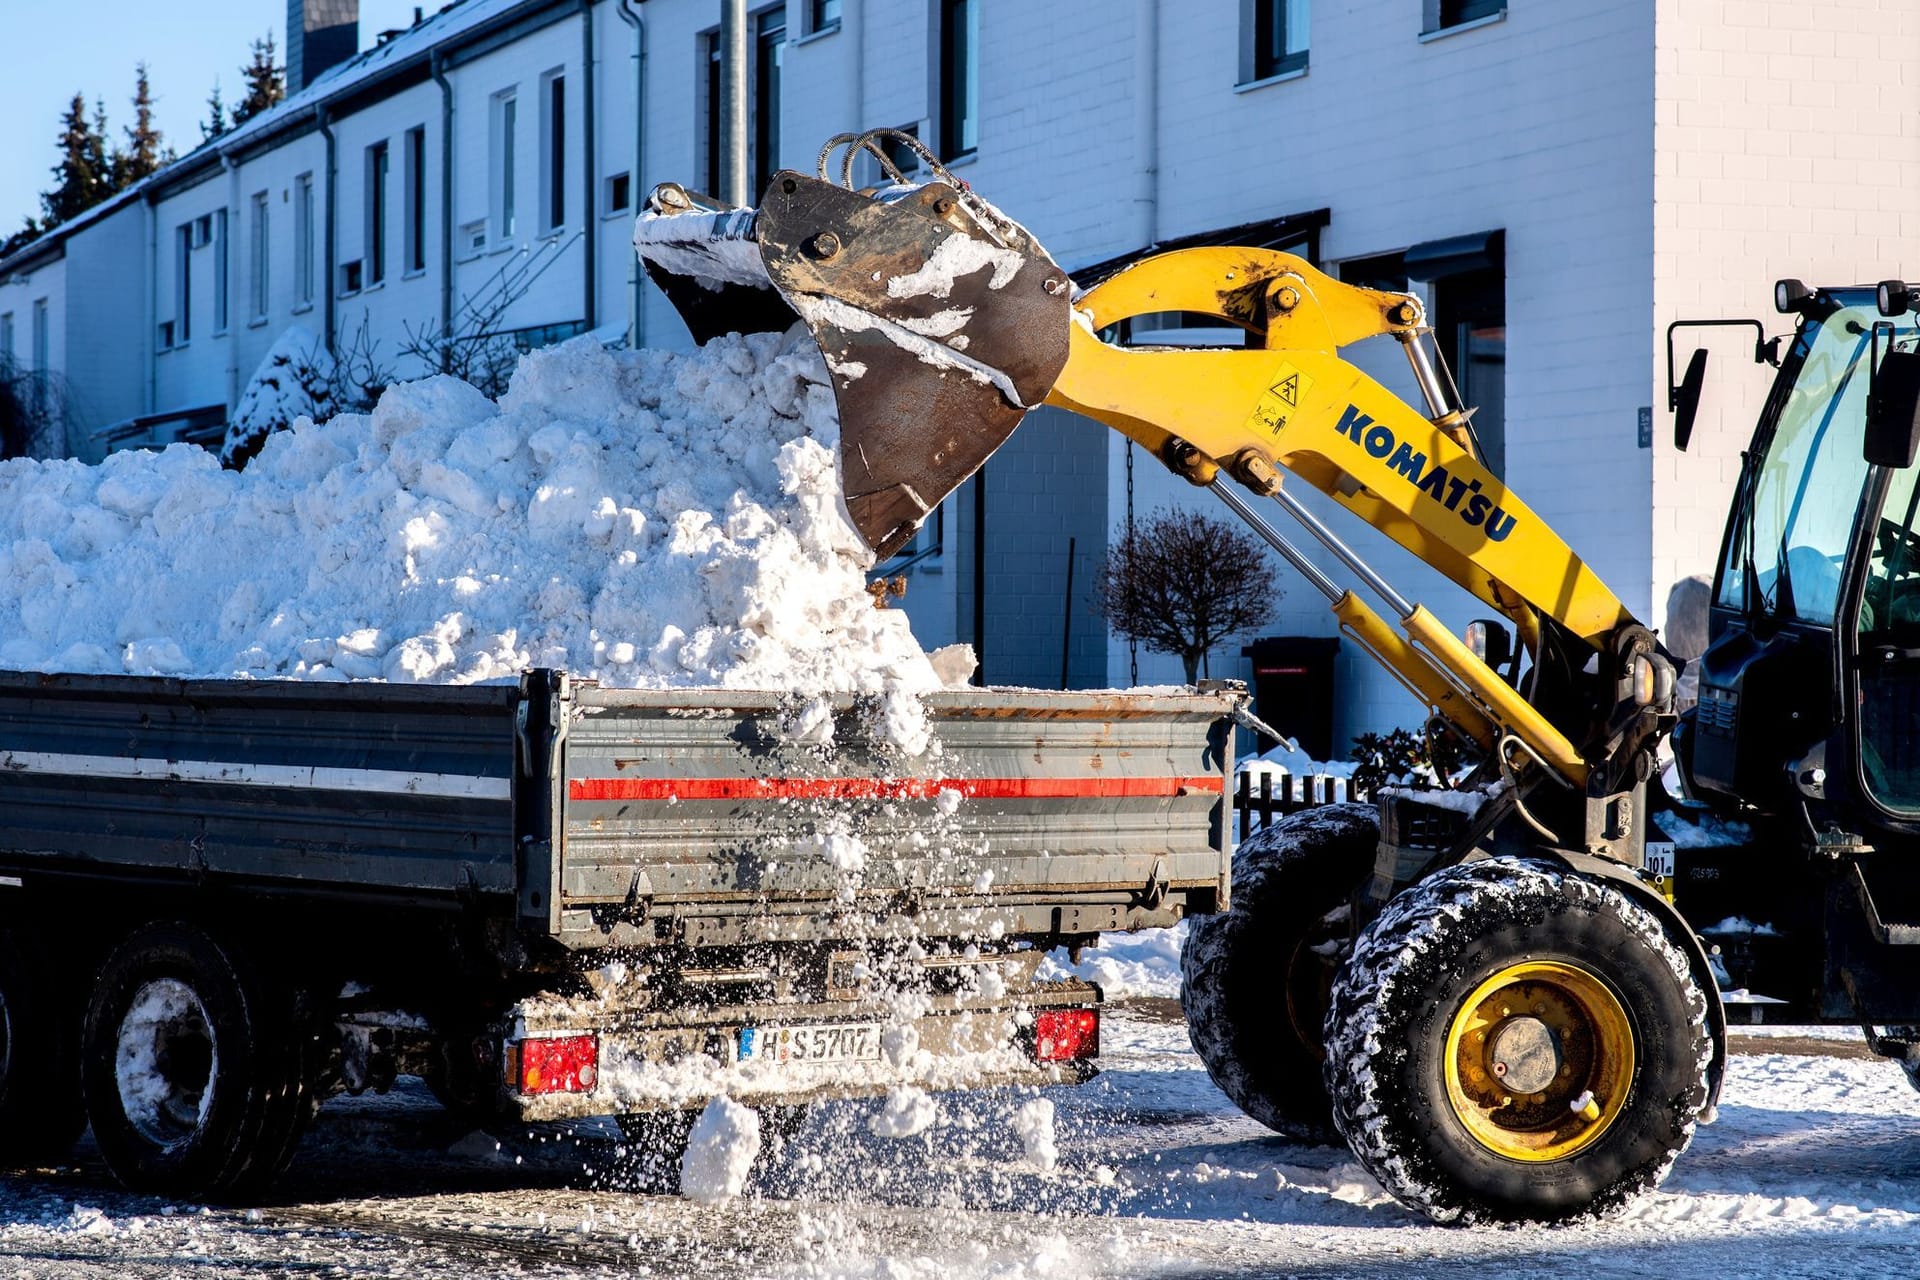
(1813, 1169)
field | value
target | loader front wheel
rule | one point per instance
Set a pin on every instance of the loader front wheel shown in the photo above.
(1515, 1041)
(1254, 979)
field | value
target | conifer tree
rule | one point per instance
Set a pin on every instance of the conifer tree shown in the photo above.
(266, 82)
(216, 122)
(83, 178)
(142, 154)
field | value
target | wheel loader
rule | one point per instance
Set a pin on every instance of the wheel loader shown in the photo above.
(1505, 991)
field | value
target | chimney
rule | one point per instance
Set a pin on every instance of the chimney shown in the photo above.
(320, 34)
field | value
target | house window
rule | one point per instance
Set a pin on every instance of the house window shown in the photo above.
(6, 341)
(619, 194)
(414, 156)
(1275, 39)
(506, 116)
(183, 239)
(711, 42)
(258, 294)
(770, 43)
(376, 239)
(473, 239)
(40, 354)
(202, 230)
(351, 277)
(959, 78)
(822, 15)
(1442, 14)
(220, 298)
(303, 239)
(553, 151)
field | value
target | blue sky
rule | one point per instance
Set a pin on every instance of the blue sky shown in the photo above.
(51, 49)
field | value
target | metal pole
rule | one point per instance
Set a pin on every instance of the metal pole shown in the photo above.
(733, 103)
(1066, 625)
(1291, 554)
(1347, 556)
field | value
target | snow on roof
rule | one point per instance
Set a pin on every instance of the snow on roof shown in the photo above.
(449, 23)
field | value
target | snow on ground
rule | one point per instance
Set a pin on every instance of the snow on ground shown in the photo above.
(1812, 1170)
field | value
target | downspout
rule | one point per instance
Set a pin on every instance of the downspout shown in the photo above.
(629, 11)
(439, 72)
(233, 239)
(589, 226)
(1146, 119)
(326, 283)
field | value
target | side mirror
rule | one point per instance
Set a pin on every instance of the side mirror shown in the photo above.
(1687, 399)
(1893, 411)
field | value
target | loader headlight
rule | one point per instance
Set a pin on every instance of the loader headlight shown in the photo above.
(1652, 681)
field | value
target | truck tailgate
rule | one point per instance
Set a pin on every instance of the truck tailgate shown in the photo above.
(691, 817)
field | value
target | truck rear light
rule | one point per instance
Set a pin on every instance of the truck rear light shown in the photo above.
(1066, 1035)
(561, 1064)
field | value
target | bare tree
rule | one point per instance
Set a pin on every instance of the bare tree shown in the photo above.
(36, 413)
(1181, 582)
(481, 349)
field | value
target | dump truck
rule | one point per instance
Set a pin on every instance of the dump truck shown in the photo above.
(226, 900)
(1503, 992)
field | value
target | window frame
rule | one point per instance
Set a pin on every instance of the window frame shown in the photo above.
(413, 197)
(303, 240)
(621, 182)
(959, 79)
(373, 248)
(257, 256)
(1445, 17)
(817, 20)
(183, 236)
(769, 44)
(1261, 23)
(222, 274)
(553, 151)
(504, 111)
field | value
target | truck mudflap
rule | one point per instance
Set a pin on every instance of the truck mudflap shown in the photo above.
(567, 1059)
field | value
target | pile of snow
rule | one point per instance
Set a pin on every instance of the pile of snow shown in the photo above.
(647, 519)
(1125, 965)
(294, 381)
(720, 1152)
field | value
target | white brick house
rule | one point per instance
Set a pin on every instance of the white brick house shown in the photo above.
(1559, 180)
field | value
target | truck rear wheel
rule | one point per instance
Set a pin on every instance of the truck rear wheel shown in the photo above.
(1515, 1041)
(1254, 979)
(41, 1115)
(193, 1067)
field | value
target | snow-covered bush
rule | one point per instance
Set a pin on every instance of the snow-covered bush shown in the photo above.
(294, 381)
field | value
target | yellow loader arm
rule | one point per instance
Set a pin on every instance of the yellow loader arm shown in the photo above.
(943, 322)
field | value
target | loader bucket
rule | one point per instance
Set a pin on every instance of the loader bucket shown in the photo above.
(941, 322)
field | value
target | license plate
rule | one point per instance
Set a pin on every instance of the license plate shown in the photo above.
(837, 1042)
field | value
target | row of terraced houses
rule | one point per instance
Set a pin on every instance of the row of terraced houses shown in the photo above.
(1558, 181)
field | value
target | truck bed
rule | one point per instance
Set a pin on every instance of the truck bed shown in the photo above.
(627, 817)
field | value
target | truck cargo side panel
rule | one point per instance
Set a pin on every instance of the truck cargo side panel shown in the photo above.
(354, 787)
(1053, 797)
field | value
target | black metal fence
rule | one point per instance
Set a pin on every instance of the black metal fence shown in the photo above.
(1257, 802)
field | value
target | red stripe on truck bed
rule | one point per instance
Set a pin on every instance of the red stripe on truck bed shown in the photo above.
(888, 788)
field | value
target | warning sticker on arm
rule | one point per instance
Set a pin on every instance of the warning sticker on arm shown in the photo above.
(1280, 400)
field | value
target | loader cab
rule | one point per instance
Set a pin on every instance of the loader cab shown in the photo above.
(1810, 686)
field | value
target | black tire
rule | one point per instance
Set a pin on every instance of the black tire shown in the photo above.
(1415, 969)
(655, 1142)
(194, 1067)
(1254, 979)
(41, 1114)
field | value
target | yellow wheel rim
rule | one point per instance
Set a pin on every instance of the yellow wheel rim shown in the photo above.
(1539, 1061)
